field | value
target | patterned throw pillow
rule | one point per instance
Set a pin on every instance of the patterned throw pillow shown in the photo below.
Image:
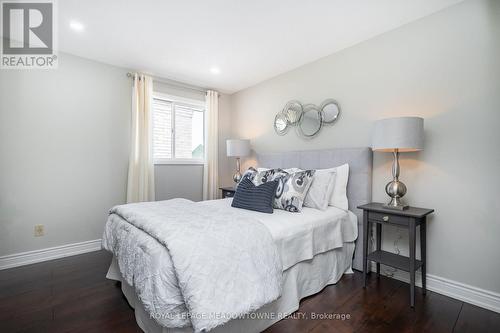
(263, 176)
(292, 189)
(249, 174)
(268, 175)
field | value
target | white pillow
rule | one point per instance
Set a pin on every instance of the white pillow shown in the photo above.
(321, 190)
(339, 196)
(291, 170)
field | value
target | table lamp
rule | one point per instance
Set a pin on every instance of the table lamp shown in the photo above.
(398, 135)
(237, 148)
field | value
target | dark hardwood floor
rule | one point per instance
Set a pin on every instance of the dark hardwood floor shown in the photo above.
(73, 295)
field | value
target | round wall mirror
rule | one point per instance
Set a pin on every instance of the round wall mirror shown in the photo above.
(293, 111)
(310, 124)
(280, 123)
(330, 111)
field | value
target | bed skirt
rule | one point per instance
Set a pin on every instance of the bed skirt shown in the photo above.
(301, 280)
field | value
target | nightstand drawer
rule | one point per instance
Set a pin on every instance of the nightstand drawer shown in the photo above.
(388, 218)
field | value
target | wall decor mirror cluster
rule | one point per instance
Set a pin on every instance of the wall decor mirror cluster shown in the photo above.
(308, 119)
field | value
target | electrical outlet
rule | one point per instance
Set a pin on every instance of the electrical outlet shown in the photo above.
(39, 230)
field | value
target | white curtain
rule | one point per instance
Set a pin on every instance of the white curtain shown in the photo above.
(210, 174)
(140, 186)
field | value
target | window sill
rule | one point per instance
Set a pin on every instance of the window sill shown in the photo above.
(179, 161)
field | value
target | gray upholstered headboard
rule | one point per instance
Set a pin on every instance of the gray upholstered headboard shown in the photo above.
(359, 187)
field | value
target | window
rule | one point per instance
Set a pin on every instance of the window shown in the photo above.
(178, 130)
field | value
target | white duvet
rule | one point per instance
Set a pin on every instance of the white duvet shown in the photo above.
(192, 264)
(146, 264)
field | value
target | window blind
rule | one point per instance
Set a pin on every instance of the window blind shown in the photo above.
(178, 131)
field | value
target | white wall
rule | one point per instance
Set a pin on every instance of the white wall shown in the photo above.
(446, 68)
(64, 144)
(178, 181)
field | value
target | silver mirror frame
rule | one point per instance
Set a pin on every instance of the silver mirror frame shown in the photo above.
(323, 113)
(310, 108)
(282, 116)
(293, 111)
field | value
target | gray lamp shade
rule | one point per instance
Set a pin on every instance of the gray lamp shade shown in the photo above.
(405, 134)
(237, 147)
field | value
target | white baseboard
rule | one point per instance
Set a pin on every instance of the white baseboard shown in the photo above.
(31, 257)
(483, 298)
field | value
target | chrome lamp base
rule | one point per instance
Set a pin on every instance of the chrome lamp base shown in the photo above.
(396, 204)
(395, 189)
(237, 175)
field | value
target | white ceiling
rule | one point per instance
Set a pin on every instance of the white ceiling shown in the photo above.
(248, 41)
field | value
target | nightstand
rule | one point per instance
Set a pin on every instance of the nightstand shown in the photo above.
(227, 192)
(409, 218)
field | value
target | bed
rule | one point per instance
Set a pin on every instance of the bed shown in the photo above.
(315, 248)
